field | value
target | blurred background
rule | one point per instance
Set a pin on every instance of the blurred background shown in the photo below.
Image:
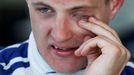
(15, 24)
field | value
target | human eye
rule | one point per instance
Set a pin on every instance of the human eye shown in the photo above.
(83, 17)
(45, 10)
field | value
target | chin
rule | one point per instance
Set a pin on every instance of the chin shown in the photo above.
(65, 64)
(69, 67)
(68, 70)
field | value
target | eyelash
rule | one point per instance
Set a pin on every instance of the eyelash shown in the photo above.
(83, 17)
(48, 12)
(45, 10)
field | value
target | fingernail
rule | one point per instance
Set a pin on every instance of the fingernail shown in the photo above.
(92, 19)
(81, 22)
(77, 53)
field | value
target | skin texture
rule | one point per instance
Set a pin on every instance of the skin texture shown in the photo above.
(82, 25)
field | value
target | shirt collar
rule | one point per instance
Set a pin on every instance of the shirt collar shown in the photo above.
(38, 64)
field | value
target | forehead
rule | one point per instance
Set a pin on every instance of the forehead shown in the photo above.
(69, 3)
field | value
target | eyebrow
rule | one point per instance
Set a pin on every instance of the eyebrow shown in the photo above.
(40, 4)
(83, 7)
(73, 8)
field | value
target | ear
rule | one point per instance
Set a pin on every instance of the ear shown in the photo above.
(115, 5)
(27, 1)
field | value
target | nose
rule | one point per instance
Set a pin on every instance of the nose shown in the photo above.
(62, 30)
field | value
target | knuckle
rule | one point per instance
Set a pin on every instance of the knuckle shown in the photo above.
(116, 50)
(125, 53)
(128, 54)
(110, 33)
(114, 32)
(98, 37)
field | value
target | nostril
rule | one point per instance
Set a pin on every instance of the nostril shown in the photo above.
(52, 46)
(60, 35)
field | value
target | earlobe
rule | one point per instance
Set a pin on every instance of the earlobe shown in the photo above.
(115, 6)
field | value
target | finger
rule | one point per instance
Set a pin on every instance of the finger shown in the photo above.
(78, 51)
(86, 47)
(98, 30)
(106, 45)
(89, 47)
(102, 24)
(125, 52)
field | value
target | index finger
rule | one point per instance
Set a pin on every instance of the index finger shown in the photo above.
(99, 28)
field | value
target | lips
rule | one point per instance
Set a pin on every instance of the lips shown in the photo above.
(63, 51)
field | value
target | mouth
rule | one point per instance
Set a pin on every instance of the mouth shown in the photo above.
(64, 51)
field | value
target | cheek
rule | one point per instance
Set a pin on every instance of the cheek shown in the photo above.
(40, 25)
(41, 29)
(81, 31)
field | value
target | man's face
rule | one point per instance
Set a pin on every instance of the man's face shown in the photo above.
(57, 31)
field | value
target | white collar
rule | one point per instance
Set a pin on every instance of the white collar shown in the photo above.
(37, 63)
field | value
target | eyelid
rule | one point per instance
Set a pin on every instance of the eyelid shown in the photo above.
(41, 5)
(47, 9)
(83, 17)
(83, 13)
(44, 9)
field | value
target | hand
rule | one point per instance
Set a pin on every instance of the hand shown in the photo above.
(105, 53)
